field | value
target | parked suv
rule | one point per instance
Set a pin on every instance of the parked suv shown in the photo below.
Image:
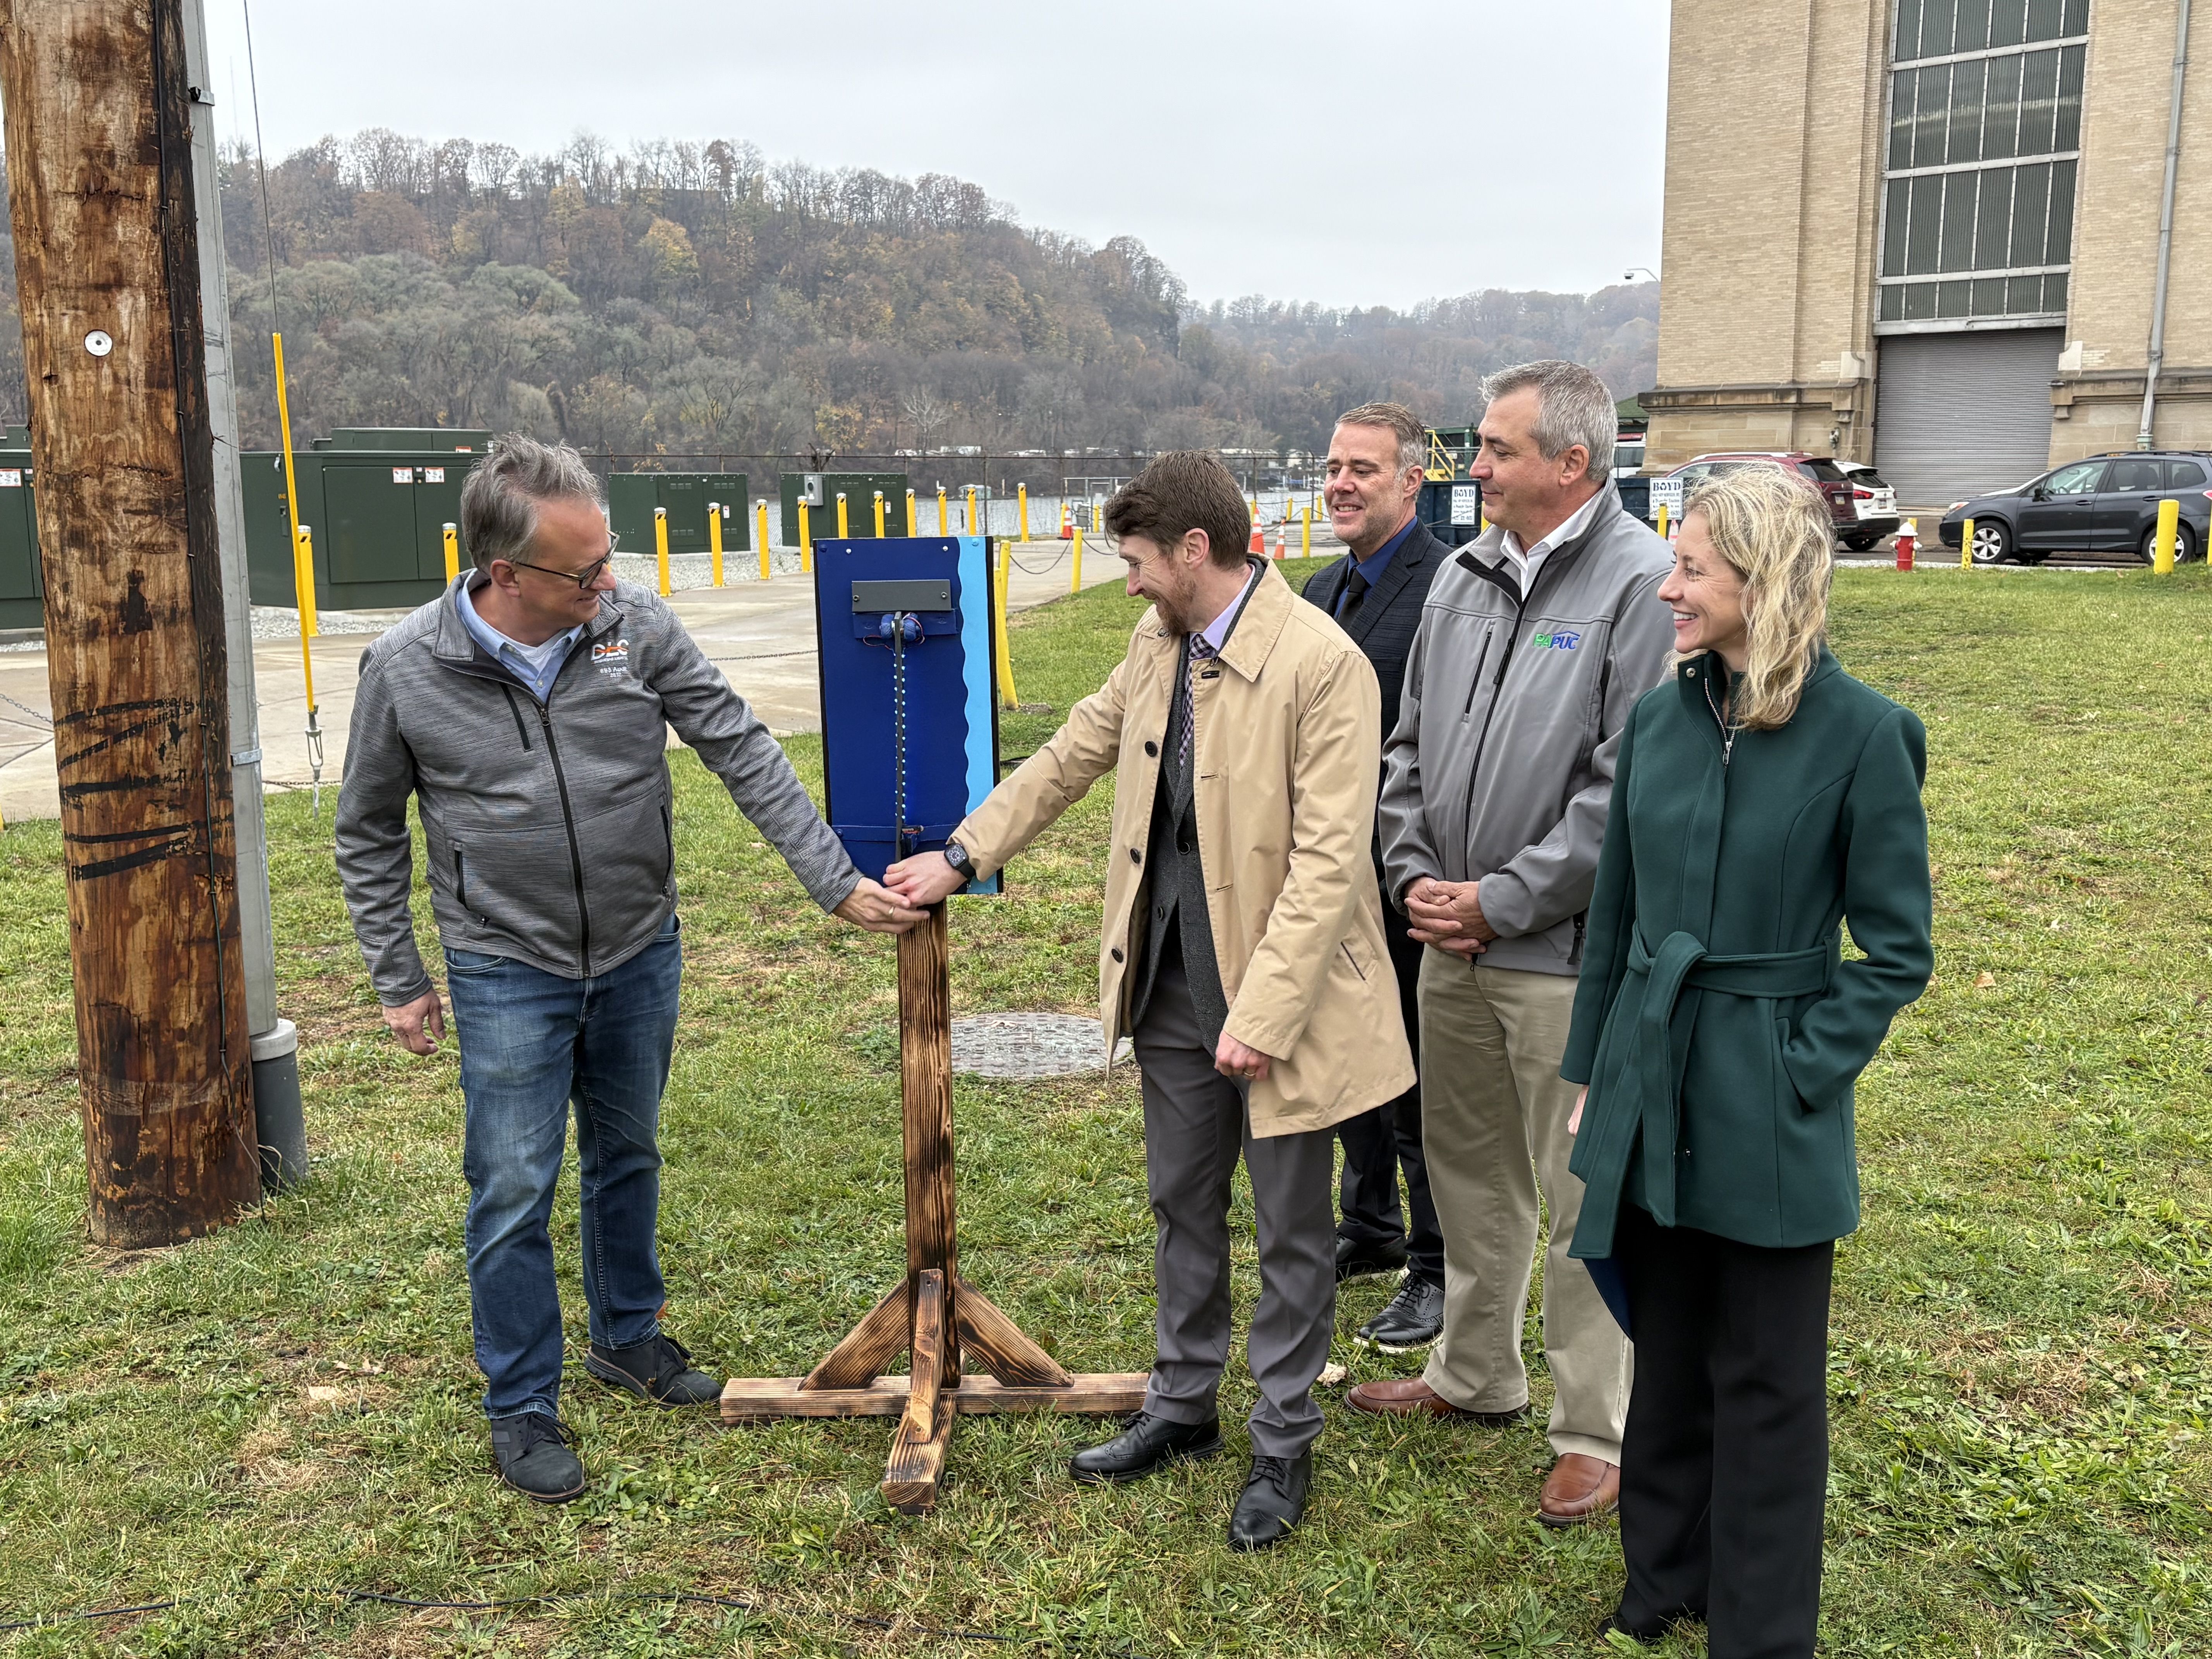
(1863, 507)
(2105, 504)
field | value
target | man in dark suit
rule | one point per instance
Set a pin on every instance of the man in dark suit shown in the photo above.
(1377, 458)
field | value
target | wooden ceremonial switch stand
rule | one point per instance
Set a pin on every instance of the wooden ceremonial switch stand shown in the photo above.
(932, 1314)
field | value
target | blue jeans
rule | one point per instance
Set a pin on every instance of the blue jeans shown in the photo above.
(531, 1042)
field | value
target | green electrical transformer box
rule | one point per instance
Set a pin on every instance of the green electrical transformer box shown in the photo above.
(820, 490)
(376, 501)
(632, 497)
(22, 592)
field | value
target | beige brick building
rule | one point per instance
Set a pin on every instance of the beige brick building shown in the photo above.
(1924, 233)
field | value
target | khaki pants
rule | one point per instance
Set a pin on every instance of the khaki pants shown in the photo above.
(1494, 1112)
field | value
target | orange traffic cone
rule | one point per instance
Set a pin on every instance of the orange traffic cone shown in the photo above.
(1259, 548)
(1282, 536)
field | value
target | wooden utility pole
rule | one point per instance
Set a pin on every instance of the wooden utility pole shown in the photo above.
(100, 173)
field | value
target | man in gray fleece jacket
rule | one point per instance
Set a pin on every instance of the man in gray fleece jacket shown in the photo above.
(1536, 641)
(525, 710)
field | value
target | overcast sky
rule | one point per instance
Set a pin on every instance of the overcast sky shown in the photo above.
(1351, 155)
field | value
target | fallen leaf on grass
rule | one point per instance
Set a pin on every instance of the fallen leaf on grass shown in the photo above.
(1985, 982)
(322, 1395)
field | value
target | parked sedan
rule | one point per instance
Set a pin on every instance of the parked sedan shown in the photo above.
(2106, 504)
(1862, 508)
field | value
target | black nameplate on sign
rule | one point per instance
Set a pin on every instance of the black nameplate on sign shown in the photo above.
(928, 594)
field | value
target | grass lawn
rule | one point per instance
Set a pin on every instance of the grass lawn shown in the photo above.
(254, 1425)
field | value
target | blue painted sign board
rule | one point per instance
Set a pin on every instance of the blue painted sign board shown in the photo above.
(908, 662)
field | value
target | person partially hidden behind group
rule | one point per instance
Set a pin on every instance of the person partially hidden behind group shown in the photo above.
(1759, 797)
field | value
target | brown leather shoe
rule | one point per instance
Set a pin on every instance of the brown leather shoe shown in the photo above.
(1409, 1396)
(1578, 1489)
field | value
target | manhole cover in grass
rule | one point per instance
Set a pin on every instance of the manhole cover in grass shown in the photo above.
(1027, 1045)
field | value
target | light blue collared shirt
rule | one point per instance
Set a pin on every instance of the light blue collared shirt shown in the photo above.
(536, 666)
(1216, 632)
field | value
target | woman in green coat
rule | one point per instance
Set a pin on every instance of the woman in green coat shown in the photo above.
(1763, 797)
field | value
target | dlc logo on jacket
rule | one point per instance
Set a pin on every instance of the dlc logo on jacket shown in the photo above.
(611, 659)
(1564, 639)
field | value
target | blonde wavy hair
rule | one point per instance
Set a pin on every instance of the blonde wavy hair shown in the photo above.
(1774, 530)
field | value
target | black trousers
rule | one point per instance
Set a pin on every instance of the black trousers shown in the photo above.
(1380, 1143)
(1725, 1466)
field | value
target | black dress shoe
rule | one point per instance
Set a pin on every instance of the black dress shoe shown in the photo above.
(1273, 1502)
(1357, 1261)
(1412, 1318)
(1146, 1443)
(660, 1368)
(532, 1453)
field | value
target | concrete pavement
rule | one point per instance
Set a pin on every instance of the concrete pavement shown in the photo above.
(760, 634)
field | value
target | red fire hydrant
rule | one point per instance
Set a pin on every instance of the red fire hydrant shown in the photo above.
(1905, 538)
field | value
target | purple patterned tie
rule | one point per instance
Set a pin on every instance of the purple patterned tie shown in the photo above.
(1201, 652)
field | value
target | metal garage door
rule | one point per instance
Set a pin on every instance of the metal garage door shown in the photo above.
(1958, 415)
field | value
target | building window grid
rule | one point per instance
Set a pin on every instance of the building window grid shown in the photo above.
(1960, 205)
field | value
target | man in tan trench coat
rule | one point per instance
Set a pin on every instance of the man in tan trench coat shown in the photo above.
(1243, 952)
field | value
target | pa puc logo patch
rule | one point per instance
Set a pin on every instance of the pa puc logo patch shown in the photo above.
(1563, 640)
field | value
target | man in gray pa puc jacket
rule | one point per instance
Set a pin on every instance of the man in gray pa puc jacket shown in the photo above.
(526, 710)
(1536, 641)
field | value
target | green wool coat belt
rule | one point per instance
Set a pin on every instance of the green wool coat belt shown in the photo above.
(1718, 1024)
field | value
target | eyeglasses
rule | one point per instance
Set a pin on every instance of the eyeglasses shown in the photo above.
(583, 578)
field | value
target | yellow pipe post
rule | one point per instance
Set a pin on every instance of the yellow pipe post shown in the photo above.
(1022, 494)
(844, 526)
(1662, 521)
(972, 530)
(714, 539)
(660, 545)
(306, 604)
(806, 541)
(879, 515)
(1075, 577)
(452, 553)
(1305, 530)
(2169, 532)
(760, 535)
(1097, 518)
(1005, 657)
(1966, 545)
(303, 579)
(944, 524)
(910, 512)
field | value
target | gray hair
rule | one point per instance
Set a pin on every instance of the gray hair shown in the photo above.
(1572, 407)
(1412, 436)
(500, 501)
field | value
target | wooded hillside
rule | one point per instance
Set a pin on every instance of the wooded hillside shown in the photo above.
(692, 299)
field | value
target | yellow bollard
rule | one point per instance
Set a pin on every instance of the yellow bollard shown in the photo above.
(1966, 545)
(910, 512)
(1022, 494)
(2169, 532)
(452, 553)
(1075, 577)
(1305, 530)
(760, 536)
(805, 542)
(1662, 521)
(1007, 692)
(715, 510)
(879, 515)
(944, 525)
(660, 545)
(972, 530)
(1097, 518)
(844, 528)
(303, 587)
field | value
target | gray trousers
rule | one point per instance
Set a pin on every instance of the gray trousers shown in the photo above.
(1195, 1124)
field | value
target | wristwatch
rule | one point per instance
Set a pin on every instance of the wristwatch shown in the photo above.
(957, 856)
